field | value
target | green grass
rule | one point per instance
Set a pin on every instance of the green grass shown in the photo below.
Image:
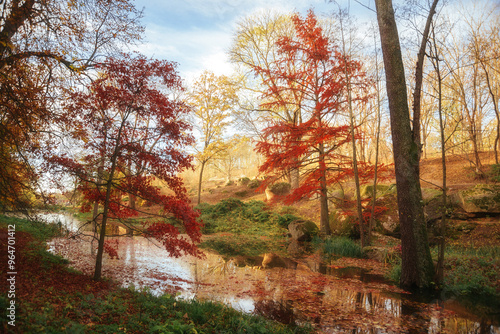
(247, 245)
(107, 309)
(472, 272)
(125, 311)
(40, 231)
(235, 216)
(339, 247)
(244, 228)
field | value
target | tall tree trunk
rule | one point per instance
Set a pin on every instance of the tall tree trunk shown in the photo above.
(102, 233)
(324, 220)
(294, 178)
(495, 107)
(442, 227)
(353, 142)
(419, 70)
(109, 184)
(417, 268)
(377, 144)
(200, 180)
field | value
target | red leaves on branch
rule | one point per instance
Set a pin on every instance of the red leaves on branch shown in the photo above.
(129, 132)
(310, 67)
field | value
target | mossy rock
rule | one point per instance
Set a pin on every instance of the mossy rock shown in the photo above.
(303, 230)
(366, 191)
(480, 198)
(280, 188)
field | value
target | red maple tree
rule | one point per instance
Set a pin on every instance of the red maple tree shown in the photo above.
(309, 65)
(127, 132)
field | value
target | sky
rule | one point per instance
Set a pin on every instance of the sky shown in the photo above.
(197, 33)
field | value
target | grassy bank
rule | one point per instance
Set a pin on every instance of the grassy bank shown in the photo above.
(244, 228)
(52, 298)
(471, 275)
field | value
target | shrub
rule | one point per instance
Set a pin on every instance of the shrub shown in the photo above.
(242, 193)
(253, 184)
(284, 220)
(287, 209)
(395, 273)
(342, 225)
(494, 172)
(244, 180)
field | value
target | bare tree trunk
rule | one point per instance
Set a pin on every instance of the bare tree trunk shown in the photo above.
(200, 180)
(109, 184)
(294, 178)
(495, 107)
(353, 142)
(132, 201)
(419, 79)
(442, 227)
(377, 143)
(417, 268)
(324, 219)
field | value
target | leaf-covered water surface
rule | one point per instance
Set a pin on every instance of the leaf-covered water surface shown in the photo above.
(290, 295)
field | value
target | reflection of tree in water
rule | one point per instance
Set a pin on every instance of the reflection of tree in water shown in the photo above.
(281, 311)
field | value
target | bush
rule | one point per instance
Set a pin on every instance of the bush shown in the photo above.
(244, 181)
(280, 188)
(494, 172)
(342, 226)
(395, 273)
(284, 220)
(287, 210)
(242, 193)
(253, 184)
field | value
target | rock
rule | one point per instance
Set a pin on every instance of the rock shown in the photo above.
(269, 194)
(433, 208)
(366, 191)
(295, 248)
(337, 197)
(301, 230)
(429, 194)
(481, 198)
(375, 253)
(390, 225)
(250, 261)
(272, 260)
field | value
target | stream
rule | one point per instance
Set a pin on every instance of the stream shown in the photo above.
(345, 300)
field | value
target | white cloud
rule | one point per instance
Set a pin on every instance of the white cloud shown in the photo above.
(196, 34)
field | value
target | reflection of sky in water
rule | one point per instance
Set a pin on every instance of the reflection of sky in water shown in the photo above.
(66, 220)
(143, 264)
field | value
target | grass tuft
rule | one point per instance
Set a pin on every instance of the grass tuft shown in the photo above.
(339, 247)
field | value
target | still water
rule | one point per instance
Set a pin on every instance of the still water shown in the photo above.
(335, 301)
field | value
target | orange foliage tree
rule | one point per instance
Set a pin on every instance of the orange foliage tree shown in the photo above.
(111, 120)
(309, 64)
(44, 46)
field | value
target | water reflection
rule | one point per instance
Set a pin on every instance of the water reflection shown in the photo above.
(336, 301)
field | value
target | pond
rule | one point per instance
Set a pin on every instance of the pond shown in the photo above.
(342, 300)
